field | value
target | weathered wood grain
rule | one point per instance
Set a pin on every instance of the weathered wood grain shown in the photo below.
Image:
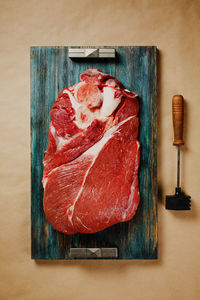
(52, 70)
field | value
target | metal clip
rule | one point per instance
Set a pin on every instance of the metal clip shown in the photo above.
(93, 252)
(91, 52)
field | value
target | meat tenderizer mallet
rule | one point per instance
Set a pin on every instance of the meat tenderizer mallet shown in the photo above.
(179, 201)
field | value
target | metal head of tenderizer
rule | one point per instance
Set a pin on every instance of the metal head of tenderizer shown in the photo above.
(179, 201)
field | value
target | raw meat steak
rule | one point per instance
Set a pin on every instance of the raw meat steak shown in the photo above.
(91, 165)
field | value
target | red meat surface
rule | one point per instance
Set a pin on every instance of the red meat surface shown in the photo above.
(90, 175)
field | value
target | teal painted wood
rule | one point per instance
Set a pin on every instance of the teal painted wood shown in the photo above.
(52, 70)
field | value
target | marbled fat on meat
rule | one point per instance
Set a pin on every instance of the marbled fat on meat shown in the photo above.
(90, 175)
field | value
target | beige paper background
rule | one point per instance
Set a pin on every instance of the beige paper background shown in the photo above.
(174, 27)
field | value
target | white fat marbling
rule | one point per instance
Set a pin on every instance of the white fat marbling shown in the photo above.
(96, 148)
(110, 103)
(94, 152)
(74, 103)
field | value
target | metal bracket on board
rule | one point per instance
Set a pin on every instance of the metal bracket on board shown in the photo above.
(93, 252)
(91, 52)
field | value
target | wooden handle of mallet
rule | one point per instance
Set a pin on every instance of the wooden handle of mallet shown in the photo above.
(178, 116)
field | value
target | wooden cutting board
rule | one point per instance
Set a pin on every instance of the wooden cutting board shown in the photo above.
(51, 71)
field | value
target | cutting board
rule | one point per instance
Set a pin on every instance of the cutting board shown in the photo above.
(51, 71)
